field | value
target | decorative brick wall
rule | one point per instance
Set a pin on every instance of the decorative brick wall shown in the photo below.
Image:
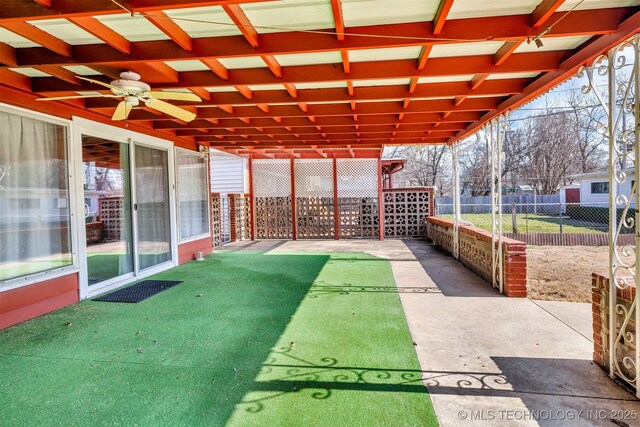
(600, 313)
(475, 253)
(94, 232)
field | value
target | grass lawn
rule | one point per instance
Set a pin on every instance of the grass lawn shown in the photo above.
(534, 223)
(249, 339)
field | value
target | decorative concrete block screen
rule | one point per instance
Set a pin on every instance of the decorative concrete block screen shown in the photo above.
(111, 211)
(406, 211)
(216, 220)
(314, 198)
(272, 199)
(240, 213)
(358, 198)
(475, 253)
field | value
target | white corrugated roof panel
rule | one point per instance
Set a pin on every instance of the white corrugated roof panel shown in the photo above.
(500, 76)
(381, 82)
(553, 43)
(465, 49)
(30, 72)
(210, 21)
(480, 8)
(309, 58)
(596, 4)
(358, 13)
(82, 70)
(267, 87)
(189, 65)
(365, 55)
(320, 85)
(286, 15)
(221, 89)
(243, 62)
(14, 40)
(446, 79)
(133, 28)
(66, 31)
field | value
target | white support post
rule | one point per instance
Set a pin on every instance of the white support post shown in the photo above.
(456, 200)
(494, 132)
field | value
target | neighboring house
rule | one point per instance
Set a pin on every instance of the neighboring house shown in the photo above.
(592, 189)
(229, 173)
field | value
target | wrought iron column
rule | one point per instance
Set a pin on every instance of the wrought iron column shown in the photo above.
(494, 132)
(456, 200)
(621, 101)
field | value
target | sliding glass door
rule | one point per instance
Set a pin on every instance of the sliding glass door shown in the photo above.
(152, 206)
(107, 209)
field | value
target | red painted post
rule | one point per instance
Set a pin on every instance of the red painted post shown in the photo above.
(380, 201)
(251, 201)
(294, 212)
(336, 208)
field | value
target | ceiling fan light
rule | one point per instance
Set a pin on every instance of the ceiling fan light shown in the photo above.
(134, 101)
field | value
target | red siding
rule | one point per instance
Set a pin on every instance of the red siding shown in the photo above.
(27, 302)
(187, 251)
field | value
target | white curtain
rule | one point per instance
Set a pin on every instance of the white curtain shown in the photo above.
(34, 205)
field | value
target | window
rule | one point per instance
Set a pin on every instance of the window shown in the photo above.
(599, 188)
(193, 194)
(34, 225)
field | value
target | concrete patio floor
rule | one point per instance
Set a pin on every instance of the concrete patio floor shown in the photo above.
(489, 360)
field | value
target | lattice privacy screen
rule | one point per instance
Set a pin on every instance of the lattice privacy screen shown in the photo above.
(314, 198)
(405, 213)
(358, 198)
(272, 199)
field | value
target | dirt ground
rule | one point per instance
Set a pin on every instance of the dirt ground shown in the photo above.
(563, 273)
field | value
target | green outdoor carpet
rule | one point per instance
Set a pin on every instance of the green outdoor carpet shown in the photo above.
(248, 339)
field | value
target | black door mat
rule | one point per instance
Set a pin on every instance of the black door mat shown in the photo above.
(138, 291)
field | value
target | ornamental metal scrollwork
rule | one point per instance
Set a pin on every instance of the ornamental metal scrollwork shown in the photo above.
(619, 70)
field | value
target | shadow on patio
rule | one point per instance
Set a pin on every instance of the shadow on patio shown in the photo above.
(228, 346)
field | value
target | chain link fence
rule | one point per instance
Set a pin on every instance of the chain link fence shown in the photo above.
(545, 223)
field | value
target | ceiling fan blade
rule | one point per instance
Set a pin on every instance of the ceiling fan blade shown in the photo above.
(172, 110)
(98, 82)
(122, 111)
(176, 96)
(57, 98)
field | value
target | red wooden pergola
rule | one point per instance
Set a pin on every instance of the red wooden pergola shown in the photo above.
(310, 89)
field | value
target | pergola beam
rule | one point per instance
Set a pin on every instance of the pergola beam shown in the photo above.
(104, 33)
(506, 28)
(544, 11)
(8, 55)
(324, 110)
(435, 90)
(336, 9)
(568, 68)
(36, 35)
(245, 26)
(481, 64)
(441, 16)
(171, 29)
(73, 8)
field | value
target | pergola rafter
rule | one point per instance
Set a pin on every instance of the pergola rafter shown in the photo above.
(338, 83)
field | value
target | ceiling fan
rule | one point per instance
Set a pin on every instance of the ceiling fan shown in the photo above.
(133, 91)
